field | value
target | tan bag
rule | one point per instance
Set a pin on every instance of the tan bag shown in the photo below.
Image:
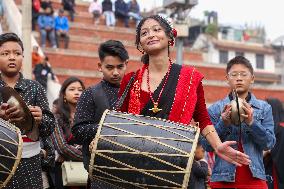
(74, 174)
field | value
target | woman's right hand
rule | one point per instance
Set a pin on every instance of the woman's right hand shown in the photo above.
(229, 154)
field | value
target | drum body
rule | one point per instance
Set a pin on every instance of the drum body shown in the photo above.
(133, 151)
(11, 145)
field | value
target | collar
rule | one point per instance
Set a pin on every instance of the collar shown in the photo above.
(251, 99)
(20, 84)
(107, 83)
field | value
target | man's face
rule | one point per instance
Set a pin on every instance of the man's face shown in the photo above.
(240, 78)
(11, 58)
(113, 69)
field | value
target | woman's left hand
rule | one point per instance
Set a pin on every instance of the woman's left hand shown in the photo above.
(226, 152)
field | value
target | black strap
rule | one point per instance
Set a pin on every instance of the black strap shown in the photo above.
(125, 92)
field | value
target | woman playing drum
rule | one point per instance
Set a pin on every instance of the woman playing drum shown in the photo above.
(170, 91)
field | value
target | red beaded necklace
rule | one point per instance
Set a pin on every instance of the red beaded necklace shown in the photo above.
(155, 109)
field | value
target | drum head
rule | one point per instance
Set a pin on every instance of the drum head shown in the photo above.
(11, 145)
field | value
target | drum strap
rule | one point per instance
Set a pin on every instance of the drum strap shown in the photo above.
(125, 92)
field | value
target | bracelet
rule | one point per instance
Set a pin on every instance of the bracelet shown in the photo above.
(212, 131)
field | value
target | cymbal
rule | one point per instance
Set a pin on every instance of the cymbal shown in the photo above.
(13, 98)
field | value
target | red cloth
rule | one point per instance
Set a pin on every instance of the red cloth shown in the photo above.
(26, 139)
(244, 179)
(275, 178)
(189, 99)
(36, 5)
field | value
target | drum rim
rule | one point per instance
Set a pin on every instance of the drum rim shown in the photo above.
(19, 153)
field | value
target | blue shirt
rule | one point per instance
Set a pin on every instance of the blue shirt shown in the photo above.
(46, 21)
(255, 138)
(61, 23)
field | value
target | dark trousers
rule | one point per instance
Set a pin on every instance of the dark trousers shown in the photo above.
(63, 36)
(122, 16)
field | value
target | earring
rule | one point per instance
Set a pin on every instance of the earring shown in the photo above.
(171, 43)
(65, 100)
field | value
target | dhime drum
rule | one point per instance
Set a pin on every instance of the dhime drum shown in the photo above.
(11, 146)
(132, 151)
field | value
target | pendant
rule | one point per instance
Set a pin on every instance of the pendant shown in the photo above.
(155, 109)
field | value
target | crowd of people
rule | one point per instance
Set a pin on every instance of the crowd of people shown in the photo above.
(159, 89)
(54, 24)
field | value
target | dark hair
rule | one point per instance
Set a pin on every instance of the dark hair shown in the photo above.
(165, 25)
(7, 37)
(113, 48)
(61, 10)
(239, 60)
(277, 110)
(55, 102)
(63, 108)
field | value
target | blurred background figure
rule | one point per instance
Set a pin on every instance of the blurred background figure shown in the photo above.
(273, 160)
(134, 11)
(199, 171)
(45, 4)
(46, 24)
(121, 11)
(36, 57)
(62, 137)
(108, 12)
(69, 6)
(95, 9)
(35, 12)
(41, 72)
(62, 28)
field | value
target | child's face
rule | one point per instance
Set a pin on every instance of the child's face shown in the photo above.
(240, 78)
(199, 153)
(113, 69)
(11, 58)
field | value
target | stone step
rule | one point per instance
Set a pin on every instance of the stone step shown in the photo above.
(92, 44)
(87, 18)
(102, 31)
(74, 59)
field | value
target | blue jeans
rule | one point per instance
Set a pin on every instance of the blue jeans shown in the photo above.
(110, 18)
(136, 17)
(51, 37)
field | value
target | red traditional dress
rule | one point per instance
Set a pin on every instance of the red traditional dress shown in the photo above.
(182, 98)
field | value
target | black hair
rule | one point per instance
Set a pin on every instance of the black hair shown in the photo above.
(164, 24)
(7, 37)
(55, 102)
(61, 10)
(63, 107)
(113, 48)
(239, 60)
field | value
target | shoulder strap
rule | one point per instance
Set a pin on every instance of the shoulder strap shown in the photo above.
(125, 92)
